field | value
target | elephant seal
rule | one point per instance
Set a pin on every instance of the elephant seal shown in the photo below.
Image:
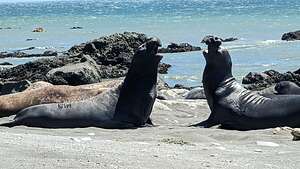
(127, 106)
(235, 107)
(287, 88)
(12, 103)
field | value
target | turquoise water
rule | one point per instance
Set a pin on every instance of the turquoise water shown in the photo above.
(258, 24)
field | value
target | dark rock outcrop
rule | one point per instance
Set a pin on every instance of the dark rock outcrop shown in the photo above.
(259, 81)
(163, 68)
(76, 27)
(290, 36)
(39, 29)
(20, 54)
(182, 47)
(222, 40)
(111, 57)
(6, 63)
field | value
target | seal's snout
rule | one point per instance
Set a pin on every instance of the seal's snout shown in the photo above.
(212, 42)
(152, 46)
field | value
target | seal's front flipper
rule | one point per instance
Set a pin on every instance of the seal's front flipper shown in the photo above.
(149, 122)
(9, 124)
(205, 124)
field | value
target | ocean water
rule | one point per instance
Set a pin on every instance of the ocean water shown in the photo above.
(259, 25)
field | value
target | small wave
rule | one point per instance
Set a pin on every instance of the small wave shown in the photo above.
(258, 44)
(256, 65)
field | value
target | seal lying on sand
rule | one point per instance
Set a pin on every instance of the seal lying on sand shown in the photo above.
(43, 93)
(126, 106)
(287, 87)
(235, 107)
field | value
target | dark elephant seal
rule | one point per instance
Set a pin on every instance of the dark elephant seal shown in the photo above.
(127, 106)
(287, 88)
(235, 107)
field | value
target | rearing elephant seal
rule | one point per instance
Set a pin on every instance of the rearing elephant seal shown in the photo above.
(126, 106)
(235, 107)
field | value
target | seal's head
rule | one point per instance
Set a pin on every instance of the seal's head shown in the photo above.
(285, 87)
(145, 61)
(218, 60)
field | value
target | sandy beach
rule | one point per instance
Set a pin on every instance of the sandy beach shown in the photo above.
(171, 144)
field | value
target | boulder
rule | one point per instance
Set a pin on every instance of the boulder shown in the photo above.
(175, 48)
(75, 74)
(290, 36)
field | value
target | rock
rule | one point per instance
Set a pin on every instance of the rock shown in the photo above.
(19, 54)
(39, 29)
(223, 40)
(112, 55)
(76, 27)
(31, 39)
(229, 39)
(50, 53)
(163, 68)
(296, 134)
(161, 84)
(196, 93)
(6, 63)
(24, 49)
(171, 94)
(259, 81)
(13, 87)
(175, 48)
(290, 36)
(180, 86)
(75, 74)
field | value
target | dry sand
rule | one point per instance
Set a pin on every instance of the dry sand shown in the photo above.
(169, 145)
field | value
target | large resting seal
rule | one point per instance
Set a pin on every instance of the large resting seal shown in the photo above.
(287, 88)
(235, 107)
(127, 106)
(47, 93)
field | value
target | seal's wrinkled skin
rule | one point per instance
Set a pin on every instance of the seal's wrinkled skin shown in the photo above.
(235, 107)
(127, 106)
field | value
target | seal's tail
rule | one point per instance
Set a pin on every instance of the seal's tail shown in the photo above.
(9, 124)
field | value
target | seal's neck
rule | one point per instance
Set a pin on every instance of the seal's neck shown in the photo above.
(137, 96)
(213, 77)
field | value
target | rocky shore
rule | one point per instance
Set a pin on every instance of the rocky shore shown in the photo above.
(262, 80)
(176, 48)
(102, 58)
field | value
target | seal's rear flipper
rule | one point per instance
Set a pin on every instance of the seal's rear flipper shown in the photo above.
(205, 124)
(9, 124)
